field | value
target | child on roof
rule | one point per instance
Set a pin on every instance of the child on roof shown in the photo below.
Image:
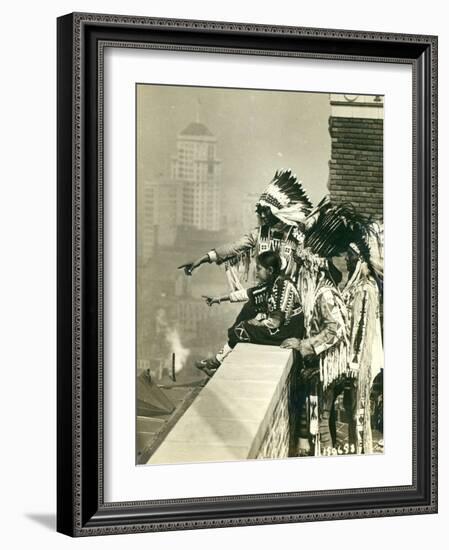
(275, 301)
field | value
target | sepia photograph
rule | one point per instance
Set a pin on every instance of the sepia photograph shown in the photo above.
(231, 198)
(259, 274)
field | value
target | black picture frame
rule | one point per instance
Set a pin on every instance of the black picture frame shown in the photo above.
(81, 509)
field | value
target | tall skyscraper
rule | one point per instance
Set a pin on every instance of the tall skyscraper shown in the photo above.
(196, 167)
(190, 197)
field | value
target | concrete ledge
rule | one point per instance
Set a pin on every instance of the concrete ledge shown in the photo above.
(233, 412)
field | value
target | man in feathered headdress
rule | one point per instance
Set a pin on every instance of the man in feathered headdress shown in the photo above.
(330, 230)
(282, 210)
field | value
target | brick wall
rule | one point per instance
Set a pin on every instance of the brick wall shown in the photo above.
(356, 165)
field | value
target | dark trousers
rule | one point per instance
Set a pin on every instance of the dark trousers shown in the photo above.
(243, 331)
(328, 431)
(247, 312)
(311, 386)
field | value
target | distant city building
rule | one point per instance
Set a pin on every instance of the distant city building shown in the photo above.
(196, 166)
(189, 312)
(162, 213)
(189, 198)
(248, 216)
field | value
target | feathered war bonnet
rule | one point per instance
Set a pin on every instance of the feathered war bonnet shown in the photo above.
(332, 230)
(286, 198)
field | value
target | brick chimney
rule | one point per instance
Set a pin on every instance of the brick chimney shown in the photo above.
(356, 165)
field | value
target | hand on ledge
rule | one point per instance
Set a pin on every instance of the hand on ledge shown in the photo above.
(303, 346)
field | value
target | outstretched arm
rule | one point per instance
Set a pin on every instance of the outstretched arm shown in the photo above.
(227, 251)
(236, 296)
(222, 253)
(190, 266)
(211, 300)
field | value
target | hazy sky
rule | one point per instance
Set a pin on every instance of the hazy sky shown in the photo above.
(258, 132)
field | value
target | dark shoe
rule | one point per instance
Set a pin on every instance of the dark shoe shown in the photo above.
(208, 366)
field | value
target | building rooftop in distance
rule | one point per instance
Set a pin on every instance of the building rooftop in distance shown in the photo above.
(196, 129)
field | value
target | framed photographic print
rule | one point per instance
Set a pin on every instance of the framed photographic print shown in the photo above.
(246, 274)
